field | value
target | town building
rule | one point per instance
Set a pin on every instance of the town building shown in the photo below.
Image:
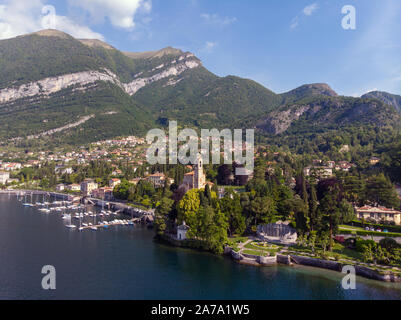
(60, 187)
(105, 193)
(374, 160)
(158, 179)
(135, 181)
(379, 214)
(195, 179)
(318, 172)
(11, 166)
(87, 186)
(114, 183)
(74, 187)
(4, 177)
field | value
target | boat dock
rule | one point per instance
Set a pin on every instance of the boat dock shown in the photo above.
(56, 195)
(111, 224)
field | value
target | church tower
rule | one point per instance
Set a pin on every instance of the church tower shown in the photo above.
(199, 176)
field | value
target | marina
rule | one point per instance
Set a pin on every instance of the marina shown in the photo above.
(72, 210)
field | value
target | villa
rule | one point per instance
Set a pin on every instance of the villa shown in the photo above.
(158, 179)
(379, 214)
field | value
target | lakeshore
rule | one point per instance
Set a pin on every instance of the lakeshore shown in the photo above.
(125, 263)
(283, 257)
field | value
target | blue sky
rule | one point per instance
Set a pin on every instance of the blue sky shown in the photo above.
(281, 44)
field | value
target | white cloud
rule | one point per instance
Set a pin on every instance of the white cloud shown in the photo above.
(309, 10)
(217, 20)
(209, 46)
(294, 23)
(77, 31)
(306, 12)
(18, 17)
(363, 92)
(120, 13)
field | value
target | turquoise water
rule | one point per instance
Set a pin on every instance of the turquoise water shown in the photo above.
(125, 263)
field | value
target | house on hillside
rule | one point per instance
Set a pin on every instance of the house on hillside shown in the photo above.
(379, 214)
(4, 177)
(88, 185)
(114, 183)
(158, 179)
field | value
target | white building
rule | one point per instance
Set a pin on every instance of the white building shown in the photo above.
(182, 232)
(4, 177)
(87, 186)
(60, 187)
(74, 187)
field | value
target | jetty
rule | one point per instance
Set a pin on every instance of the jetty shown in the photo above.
(56, 195)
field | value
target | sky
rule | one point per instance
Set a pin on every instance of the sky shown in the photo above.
(281, 44)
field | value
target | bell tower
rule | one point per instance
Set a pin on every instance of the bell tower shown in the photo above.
(199, 176)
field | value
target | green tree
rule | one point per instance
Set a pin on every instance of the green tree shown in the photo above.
(189, 206)
(313, 205)
(122, 191)
(380, 190)
(162, 215)
(231, 207)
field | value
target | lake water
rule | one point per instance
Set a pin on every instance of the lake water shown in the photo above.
(125, 263)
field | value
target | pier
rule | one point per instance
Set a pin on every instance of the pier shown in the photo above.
(122, 223)
(56, 195)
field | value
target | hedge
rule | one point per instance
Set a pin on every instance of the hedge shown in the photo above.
(390, 228)
(371, 233)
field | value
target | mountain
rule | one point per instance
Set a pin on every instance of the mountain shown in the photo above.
(307, 90)
(55, 90)
(50, 80)
(326, 113)
(388, 98)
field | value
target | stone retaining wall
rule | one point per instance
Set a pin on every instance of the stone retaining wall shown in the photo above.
(267, 261)
(283, 259)
(236, 255)
(318, 263)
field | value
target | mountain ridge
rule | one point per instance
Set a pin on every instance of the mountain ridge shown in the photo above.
(48, 74)
(388, 98)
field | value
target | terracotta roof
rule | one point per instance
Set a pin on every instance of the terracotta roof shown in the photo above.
(157, 174)
(369, 209)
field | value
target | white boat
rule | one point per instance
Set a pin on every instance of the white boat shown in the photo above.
(94, 228)
(71, 226)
